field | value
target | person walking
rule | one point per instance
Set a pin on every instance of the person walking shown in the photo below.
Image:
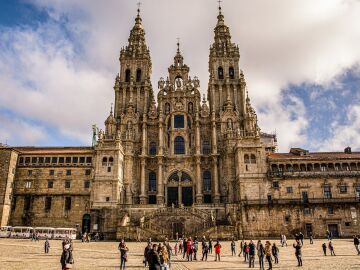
(66, 258)
(275, 253)
(261, 254)
(324, 248)
(232, 246)
(154, 258)
(331, 249)
(195, 248)
(297, 246)
(301, 237)
(147, 249)
(180, 246)
(268, 253)
(169, 250)
(205, 250)
(123, 254)
(189, 249)
(241, 247)
(176, 249)
(47, 246)
(311, 237)
(251, 254)
(246, 252)
(356, 244)
(164, 256)
(184, 247)
(210, 246)
(217, 248)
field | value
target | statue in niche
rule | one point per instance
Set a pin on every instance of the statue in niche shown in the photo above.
(167, 108)
(178, 83)
(229, 124)
(125, 221)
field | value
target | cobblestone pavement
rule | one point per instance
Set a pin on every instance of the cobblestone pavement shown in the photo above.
(25, 254)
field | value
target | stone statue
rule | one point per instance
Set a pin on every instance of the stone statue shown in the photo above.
(125, 221)
(142, 221)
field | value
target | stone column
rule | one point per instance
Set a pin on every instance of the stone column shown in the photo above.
(160, 182)
(216, 180)
(142, 181)
(199, 186)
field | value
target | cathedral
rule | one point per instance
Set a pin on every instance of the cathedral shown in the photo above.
(175, 163)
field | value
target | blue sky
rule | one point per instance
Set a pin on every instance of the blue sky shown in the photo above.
(58, 61)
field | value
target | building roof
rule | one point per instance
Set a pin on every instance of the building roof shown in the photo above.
(32, 150)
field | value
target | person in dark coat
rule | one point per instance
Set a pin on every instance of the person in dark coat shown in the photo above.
(47, 246)
(184, 246)
(311, 237)
(298, 247)
(66, 259)
(324, 248)
(331, 248)
(275, 252)
(123, 254)
(233, 250)
(250, 250)
(154, 258)
(301, 237)
(146, 252)
(210, 246)
(356, 244)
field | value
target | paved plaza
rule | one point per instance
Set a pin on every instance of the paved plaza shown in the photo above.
(25, 254)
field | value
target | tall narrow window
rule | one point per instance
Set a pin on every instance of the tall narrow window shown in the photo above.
(179, 146)
(231, 73)
(220, 73)
(206, 147)
(104, 161)
(179, 121)
(252, 159)
(152, 181)
(207, 181)
(67, 203)
(246, 158)
(127, 75)
(152, 149)
(111, 161)
(327, 192)
(48, 204)
(138, 75)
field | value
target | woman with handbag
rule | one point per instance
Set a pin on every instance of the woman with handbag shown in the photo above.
(123, 254)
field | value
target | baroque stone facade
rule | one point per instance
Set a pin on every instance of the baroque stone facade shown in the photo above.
(181, 165)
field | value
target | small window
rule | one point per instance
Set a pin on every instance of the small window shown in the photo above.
(109, 169)
(347, 224)
(104, 161)
(289, 190)
(152, 181)
(41, 160)
(306, 211)
(206, 148)
(275, 184)
(87, 172)
(82, 160)
(327, 192)
(343, 189)
(75, 159)
(50, 184)
(47, 159)
(68, 172)
(21, 160)
(86, 184)
(27, 203)
(67, 184)
(138, 75)
(29, 172)
(54, 160)
(111, 161)
(51, 172)
(88, 159)
(179, 146)
(48, 201)
(27, 160)
(246, 159)
(127, 75)
(253, 159)
(220, 73)
(207, 181)
(179, 121)
(68, 160)
(231, 73)
(34, 160)
(107, 199)
(152, 149)
(330, 210)
(67, 203)
(28, 184)
(287, 219)
(152, 199)
(61, 159)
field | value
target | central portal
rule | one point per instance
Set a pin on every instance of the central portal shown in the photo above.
(179, 189)
(187, 196)
(172, 196)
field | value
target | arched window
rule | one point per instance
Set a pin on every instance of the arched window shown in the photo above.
(138, 75)
(152, 149)
(179, 145)
(185, 177)
(220, 73)
(207, 181)
(231, 73)
(127, 75)
(174, 177)
(252, 159)
(152, 181)
(104, 161)
(206, 148)
(246, 159)
(111, 161)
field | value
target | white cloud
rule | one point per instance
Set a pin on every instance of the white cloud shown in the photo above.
(280, 42)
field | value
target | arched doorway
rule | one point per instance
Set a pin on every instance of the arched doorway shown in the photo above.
(179, 189)
(86, 223)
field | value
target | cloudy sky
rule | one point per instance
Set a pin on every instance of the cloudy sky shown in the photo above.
(301, 59)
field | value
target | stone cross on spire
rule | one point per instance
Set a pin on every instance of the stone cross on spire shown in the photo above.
(139, 5)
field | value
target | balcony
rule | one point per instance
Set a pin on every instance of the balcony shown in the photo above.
(312, 174)
(310, 201)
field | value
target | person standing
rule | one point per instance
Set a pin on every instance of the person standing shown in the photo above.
(180, 246)
(331, 249)
(47, 246)
(301, 237)
(176, 249)
(146, 253)
(261, 254)
(324, 248)
(311, 237)
(232, 246)
(217, 247)
(195, 248)
(210, 246)
(246, 251)
(66, 258)
(275, 253)
(250, 251)
(241, 247)
(268, 252)
(297, 246)
(356, 244)
(164, 257)
(205, 250)
(189, 249)
(169, 250)
(123, 254)
(184, 247)
(154, 259)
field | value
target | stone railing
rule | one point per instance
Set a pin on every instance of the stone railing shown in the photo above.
(301, 201)
(287, 174)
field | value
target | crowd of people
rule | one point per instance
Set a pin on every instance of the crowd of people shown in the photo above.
(158, 256)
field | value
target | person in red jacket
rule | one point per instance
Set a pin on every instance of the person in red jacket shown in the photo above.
(217, 250)
(189, 249)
